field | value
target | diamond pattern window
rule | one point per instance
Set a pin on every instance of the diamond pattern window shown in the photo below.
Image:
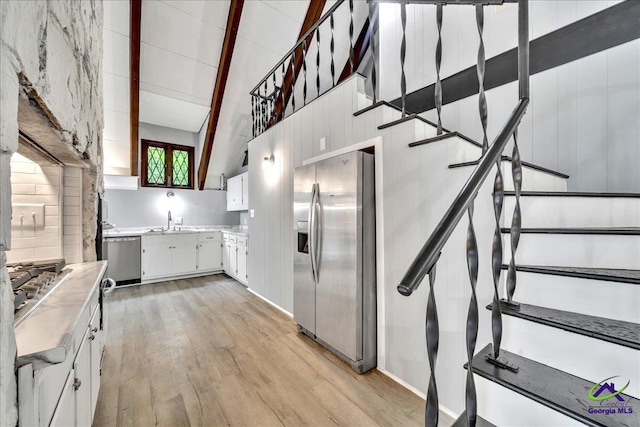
(167, 165)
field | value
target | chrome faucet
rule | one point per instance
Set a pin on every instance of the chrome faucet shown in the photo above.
(168, 220)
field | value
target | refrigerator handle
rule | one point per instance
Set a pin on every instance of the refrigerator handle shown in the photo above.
(312, 232)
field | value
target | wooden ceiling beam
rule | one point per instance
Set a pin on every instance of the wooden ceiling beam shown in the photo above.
(233, 23)
(314, 13)
(135, 15)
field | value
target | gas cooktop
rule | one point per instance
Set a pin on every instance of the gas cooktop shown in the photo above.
(32, 280)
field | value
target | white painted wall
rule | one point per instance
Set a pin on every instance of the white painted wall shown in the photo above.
(147, 207)
(583, 118)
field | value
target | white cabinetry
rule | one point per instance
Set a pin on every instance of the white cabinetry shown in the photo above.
(238, 192)
(180, 254)
(235, 256)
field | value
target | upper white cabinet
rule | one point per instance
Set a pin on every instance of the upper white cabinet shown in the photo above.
(238, 192)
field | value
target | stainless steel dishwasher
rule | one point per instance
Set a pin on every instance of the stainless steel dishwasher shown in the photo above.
(123, 254)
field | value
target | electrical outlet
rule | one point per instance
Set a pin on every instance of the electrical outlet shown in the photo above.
(252, 212)
(323, 144)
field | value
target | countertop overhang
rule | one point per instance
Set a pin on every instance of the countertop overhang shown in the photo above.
(158, 231)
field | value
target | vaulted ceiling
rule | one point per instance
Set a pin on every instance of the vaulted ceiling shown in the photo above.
(180, 49)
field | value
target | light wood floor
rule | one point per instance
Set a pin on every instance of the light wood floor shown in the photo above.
(207, 352)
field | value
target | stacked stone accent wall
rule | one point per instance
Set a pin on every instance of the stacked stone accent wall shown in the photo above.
(51, 89)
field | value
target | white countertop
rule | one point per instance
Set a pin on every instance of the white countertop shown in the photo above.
(141, 231)
(44, 337)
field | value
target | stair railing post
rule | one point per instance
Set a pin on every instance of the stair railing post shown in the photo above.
(403, 53)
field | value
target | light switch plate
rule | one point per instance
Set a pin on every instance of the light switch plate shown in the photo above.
(323, 144)
(252, 213)
(27, 215)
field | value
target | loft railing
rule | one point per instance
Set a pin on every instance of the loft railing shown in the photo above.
(282, 91)
(426, 260)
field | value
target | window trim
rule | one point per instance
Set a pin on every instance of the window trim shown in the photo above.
(168, 171)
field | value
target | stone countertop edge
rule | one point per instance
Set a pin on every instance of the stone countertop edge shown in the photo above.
(44, 338)
(145, 231)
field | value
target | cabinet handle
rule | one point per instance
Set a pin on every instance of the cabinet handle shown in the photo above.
(94, 330)
(92, 337)
(144, 251)
(76, 384)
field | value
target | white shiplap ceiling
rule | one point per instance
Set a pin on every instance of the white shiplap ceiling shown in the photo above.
(181, 43)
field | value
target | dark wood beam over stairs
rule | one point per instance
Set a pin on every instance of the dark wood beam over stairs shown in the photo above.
(314, 13)
(135, 14)
(233, 23)
(360, 49)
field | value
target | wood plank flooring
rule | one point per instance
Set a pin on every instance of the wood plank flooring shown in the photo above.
(206, 352)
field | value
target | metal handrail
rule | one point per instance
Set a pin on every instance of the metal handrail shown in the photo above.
(430, 252)
(300, 41)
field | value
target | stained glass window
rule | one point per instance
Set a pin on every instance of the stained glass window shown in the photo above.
(180, 168)
(166, 165)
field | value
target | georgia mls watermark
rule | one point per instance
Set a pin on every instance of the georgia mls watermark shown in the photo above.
(605, 399)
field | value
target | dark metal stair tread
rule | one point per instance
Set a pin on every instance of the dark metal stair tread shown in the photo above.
(442, 137)
(551, 387)
(461, 421)
(622, 231)
(571, 194)
(404, 119)
(508, 159)
(607, 274)
(374, 106)
(615, 331)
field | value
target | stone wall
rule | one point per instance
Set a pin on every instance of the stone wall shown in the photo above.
(51, 88)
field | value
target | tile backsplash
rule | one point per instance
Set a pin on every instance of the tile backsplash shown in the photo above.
(59, 190)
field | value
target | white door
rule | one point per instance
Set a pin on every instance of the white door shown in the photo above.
(245, 191)
(156, 260)
(183, 258)
(233, 260)
(242, 264)
(234, 193)
(65, 414)
(82, 383)
(210, 255)
(96, 357)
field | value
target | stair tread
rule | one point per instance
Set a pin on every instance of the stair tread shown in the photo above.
(580, 230)
(461, 421)
(374, 106)
(508, 159)
(442, 137)
(556, 389)
(608, 274)
(571, 194)
(615, 331)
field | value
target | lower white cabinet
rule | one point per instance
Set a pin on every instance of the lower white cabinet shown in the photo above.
(235, 256)
(179, 254)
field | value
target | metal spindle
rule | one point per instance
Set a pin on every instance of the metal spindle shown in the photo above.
(274, 119)
(318, 61)
(496, 260)
(293, 82)
(482, 99)
(373, 20)
(438, 89)
(265, 104)
(403, 52)
(516, 221)
(304, 70)
(472, 319)
(282, 109)
(332, 46)
(351, 53)
(253, 116)
(433, 338)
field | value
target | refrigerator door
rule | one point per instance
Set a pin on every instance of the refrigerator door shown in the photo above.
(338, 293)
(304, 284)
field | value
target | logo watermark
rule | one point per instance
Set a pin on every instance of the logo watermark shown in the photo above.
(608, 400)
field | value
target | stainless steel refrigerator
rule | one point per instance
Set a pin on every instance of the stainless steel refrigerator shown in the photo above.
(334, 292)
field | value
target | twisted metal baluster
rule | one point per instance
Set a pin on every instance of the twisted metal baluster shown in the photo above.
(482, 99)
(373, 19)
(516, 221)
(438, 89)
(433, 337)
(266, 104)
(293, 82)
(304, 69)
(318, 61)
(472, 320)
(403, 52)
(282, 92)
(351, 53)
(496, 261)
(274, 112)
(253, 115)
(332, 46)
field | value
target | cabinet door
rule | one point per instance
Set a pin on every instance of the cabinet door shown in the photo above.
(82, 383)
(234, 193)
(242, 264)
(226, 250)
(233, 260)
(183, 258)
(209, 255)
(245, 191)
(156, 260)
(65, 414)
(96, 358)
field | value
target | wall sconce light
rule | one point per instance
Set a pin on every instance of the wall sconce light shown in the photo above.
(268, 162)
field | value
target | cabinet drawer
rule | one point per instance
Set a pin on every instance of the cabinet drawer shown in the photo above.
(208, 237)
(170, 238)
(232, 238)
(242, 240)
